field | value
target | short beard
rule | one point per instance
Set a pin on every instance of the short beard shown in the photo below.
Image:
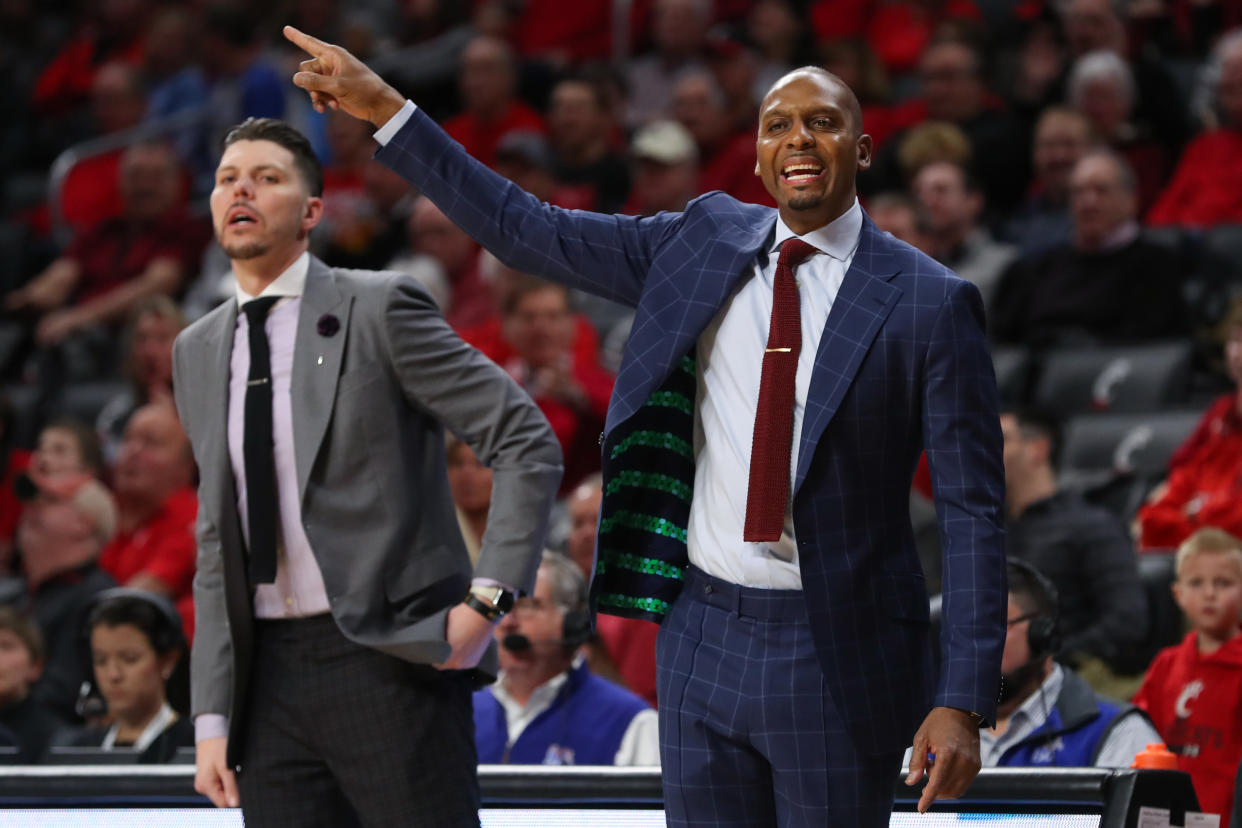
(804, 201)
(244, 251)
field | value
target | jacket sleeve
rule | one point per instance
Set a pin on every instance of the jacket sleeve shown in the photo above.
(961, 434)
(482, 405)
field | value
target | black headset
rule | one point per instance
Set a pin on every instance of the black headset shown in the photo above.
(1043, 633)
(576, 628)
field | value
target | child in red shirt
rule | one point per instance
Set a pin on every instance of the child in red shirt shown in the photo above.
(1193, 691)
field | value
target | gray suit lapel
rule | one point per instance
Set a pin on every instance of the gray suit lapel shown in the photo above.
(316, 365)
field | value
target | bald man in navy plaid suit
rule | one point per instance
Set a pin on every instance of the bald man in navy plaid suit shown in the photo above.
(793, 668)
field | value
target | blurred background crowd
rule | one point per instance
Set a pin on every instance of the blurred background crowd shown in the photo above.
(1080, 161)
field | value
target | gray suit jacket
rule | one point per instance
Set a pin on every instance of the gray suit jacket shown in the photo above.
(370, 403)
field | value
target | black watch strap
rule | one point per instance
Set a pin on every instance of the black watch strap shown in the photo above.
(486, 610)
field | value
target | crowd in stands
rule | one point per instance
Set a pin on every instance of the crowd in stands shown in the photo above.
(1077, 160)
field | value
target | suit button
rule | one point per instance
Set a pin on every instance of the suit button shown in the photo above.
(707, 589)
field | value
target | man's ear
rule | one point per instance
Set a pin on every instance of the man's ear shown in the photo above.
(865, 149)
(313, 214)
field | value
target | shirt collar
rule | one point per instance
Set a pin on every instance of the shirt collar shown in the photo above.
(838, 238)
(290, 283)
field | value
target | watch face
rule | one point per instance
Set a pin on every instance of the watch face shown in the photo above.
(504, 600)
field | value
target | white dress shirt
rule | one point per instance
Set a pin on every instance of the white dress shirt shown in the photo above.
(730, 361)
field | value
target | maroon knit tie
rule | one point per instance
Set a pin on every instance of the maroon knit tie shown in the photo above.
(769, 451)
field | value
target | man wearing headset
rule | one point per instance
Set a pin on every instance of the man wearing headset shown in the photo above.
(1048, 715)
(546, 706)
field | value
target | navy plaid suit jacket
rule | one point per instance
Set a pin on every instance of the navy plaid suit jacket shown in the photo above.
(903, 365)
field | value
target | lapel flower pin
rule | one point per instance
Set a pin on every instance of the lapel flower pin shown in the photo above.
(328, 325)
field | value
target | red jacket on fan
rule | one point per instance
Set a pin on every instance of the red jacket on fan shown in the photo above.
(1195, 702)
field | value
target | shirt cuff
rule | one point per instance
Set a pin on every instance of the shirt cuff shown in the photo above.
(492, 582)
(210, 726)
(384, 134)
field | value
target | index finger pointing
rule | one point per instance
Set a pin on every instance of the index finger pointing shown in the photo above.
(301, 39)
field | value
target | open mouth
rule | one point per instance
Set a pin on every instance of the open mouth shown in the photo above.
(801, 170)
(240, 216)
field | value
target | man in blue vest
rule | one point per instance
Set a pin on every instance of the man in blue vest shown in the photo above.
(1048, 715)
(547, 708)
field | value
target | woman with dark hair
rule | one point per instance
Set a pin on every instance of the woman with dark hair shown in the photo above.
(136, 644)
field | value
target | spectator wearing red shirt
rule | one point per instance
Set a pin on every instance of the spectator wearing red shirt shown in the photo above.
(726, 157)
(152, 248)
(154, 547)
(488, 80)
(1204, 486)
(1192, 689)
(571, 391)
(1206, 189)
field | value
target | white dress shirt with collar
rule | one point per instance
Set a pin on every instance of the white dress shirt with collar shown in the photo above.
(730, 362)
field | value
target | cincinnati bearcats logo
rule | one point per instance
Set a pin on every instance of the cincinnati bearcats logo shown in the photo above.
(1189, 692)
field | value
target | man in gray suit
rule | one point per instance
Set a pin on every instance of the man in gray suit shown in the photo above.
(338, 624)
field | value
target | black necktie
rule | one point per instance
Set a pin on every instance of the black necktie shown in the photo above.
(258, 449)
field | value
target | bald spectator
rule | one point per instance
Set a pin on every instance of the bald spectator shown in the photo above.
(580, 133)
(154, 547)
(1101, 87)
(1042, 220)
(153, 248)
(953, 89)
(1107, 285)
(490, 106)
(726, 155)
(679, 36)
(666, 169)
(952, 204)
(1206, 189)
